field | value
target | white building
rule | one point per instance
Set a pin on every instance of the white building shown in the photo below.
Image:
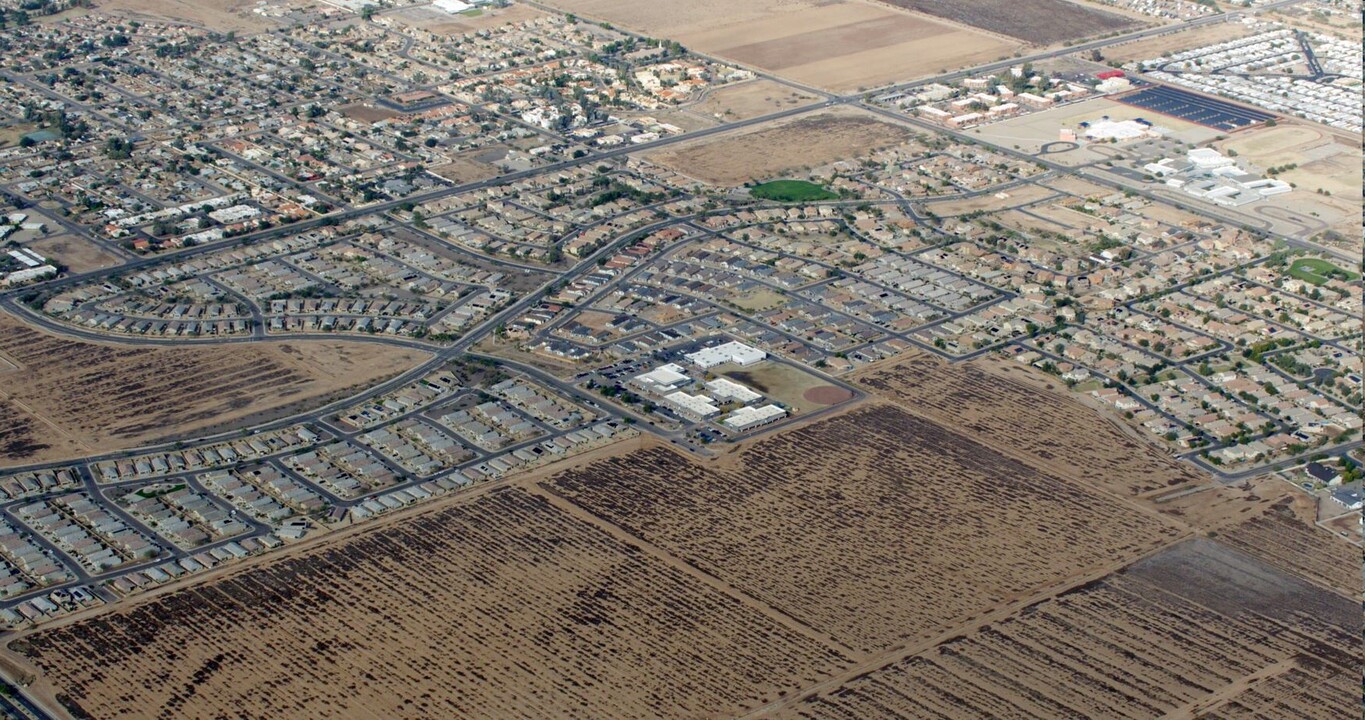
(724, 389)
(733, 351)
(451, 6)
(662, 379)
(695, 407)
(746, 418)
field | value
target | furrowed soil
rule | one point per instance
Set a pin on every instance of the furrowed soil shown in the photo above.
(72, 397)
(507, 606)
(972, 545)
(1039, 22)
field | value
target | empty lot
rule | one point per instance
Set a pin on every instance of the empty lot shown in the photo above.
(778, 149)
(72, 397)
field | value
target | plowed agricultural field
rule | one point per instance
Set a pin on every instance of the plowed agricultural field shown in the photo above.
(1197, 631)
(877, 527)
(838, 45)
(503, 607)
(994, 404)
(879, 563)
(70, 397)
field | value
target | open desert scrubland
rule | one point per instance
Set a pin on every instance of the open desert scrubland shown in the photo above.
(62, 398)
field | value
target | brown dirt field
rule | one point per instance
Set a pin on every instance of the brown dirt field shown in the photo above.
(77, 253)
(367, 113)
(233, 15)
(1283, 535)
(1194, 626)
(1040, 22)
(750, 99)
(775, 150)
(73, 397)
(862, 526)
(827, 395)
(1152, 48)
(466, 168)
(505, 606)
(838, 45)
(1002, 406)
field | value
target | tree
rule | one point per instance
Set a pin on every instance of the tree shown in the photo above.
(368, 12)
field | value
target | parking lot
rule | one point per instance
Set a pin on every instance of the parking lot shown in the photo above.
(1195, 108)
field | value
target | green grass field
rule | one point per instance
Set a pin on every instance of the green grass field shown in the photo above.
(791, 191)
(1318, 271)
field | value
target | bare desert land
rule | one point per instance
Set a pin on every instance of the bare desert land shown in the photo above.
(838, 505)
(1039, 22)
(807, 141)
(838, 45)
(69, 397)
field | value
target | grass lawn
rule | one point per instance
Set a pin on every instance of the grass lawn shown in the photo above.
(791, 191)
(1318, 271)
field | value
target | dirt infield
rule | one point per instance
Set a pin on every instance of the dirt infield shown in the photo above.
(74, 398)
(776, 150)
(827, 395)
(837, 45)
(1039, 22)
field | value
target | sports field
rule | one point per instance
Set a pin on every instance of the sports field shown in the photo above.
(791, 191)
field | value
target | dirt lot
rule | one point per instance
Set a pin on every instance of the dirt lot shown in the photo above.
(1322, 161)
(838, 45)
(77, 253)
(1033, 131)
(776, 150)
(232, 15)
(71, 397)
(1004, 405)
(1039, 22)
(1152, 48)
(750, 99)
(506, 606)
